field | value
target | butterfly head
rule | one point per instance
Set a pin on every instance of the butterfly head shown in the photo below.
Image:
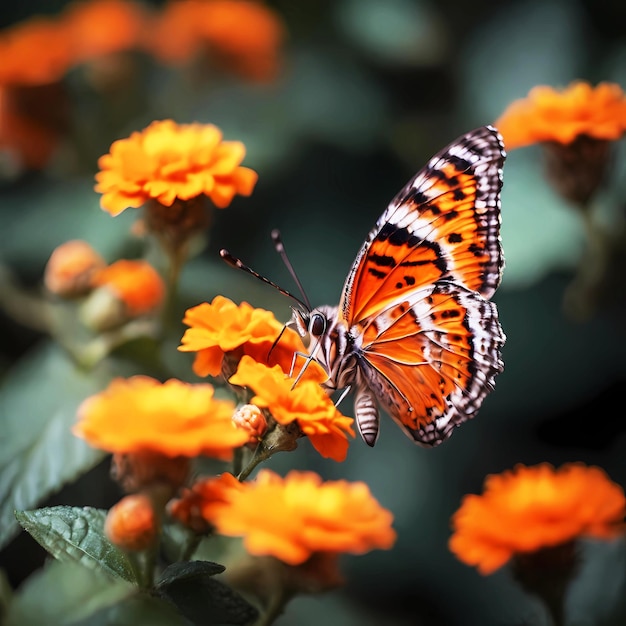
(309, 323)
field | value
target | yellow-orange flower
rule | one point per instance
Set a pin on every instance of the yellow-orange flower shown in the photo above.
(71, 267)
(295, 517)
(222, 327)
(132, 524)
(34, 52)
(548, 114)
(530, 508)
(136, 283)
(169, 161)
(306, 403)
(244, 35)
(172, 418)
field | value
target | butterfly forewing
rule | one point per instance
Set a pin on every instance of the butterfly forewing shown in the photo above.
(444, 224)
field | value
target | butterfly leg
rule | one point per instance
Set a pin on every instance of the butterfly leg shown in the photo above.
(366, 414)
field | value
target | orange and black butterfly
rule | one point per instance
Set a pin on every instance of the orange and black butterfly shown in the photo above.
(415, 332)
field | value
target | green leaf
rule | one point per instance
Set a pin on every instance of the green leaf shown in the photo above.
(189, 569)
(39, 454)
(77, 534)
(65, 593)
(202, 599)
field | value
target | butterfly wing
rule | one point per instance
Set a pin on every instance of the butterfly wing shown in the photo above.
(443, 225)
(418, 294)
(431, 359)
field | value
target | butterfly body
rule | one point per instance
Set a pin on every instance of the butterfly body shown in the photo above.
(415, 331)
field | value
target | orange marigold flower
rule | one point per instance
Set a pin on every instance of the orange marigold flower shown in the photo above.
(295, 517)
(100, 27)
(222, 327)
(244, 35)
(169, 161)
(136, 283)
(530, 508)
(34, 52)
(71, 267)
(132, 524)
(307, 403)
(173, 418)
(548, 114)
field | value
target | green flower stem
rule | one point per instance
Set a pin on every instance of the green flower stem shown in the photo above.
(280, 439)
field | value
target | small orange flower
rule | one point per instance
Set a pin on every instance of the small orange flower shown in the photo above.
(222, 327)
(530, 508)
(307, 403)
(34, 52)
(172, 418)
(549, 114)
(295, 517)
(71, 267)
(136, 283)
(244, 35)
(131, 524)
(167, 161)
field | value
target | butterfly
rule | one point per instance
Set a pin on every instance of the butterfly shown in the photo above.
(415, 331)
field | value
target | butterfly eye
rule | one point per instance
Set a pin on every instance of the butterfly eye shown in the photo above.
(317, 325)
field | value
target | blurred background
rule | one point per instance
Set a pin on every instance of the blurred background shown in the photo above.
(361, 94)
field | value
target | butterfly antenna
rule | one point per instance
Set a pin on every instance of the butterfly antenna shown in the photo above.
(237, 263)
(280, 248)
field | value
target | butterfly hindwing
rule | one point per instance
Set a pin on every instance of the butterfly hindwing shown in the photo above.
(443, 225)
(430, 360)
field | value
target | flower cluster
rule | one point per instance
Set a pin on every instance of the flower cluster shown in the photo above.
(104, 39)
(42, 50)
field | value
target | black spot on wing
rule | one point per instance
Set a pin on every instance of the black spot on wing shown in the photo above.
(382, 260)
(376, 273)
(397, 236)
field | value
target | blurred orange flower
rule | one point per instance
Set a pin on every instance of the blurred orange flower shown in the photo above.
(100, 27)
(530, 508)
(71, 267)
(245, 35)
(295, 517)
(222, 327)
(307, 403)
(34, 52)
(131, 524)
(135, 282)
(548, 114)
(167, 161)
(172, 418)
